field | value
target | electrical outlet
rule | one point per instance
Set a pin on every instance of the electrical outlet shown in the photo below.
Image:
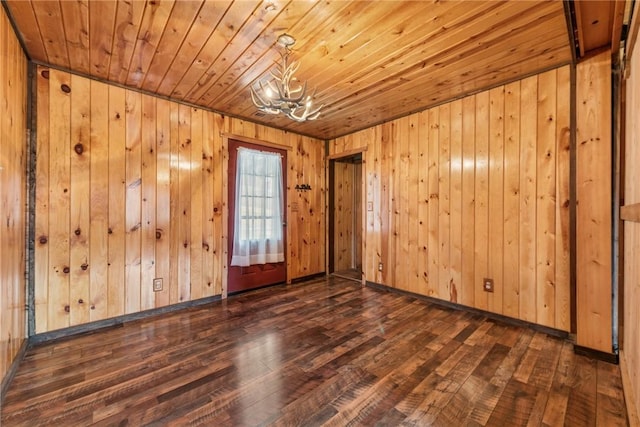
(157, 284)
(487, 285)
(379, 266)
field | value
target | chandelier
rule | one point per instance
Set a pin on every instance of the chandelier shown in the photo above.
(279, 96)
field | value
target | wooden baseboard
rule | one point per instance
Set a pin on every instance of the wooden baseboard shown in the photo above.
(6, 381)
(596, 354)
(629, 395)
(508, 320)
(116, 321)
(309, 277)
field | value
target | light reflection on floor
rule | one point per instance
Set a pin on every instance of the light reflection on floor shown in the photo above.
(259, 358)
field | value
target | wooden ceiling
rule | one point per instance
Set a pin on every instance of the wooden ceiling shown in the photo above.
(370, 61)
(599, 24)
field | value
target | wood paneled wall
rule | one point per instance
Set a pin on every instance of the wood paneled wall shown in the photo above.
(130, 188)
(594, 197)
(631, 267)
(475, 188)
(13, 152)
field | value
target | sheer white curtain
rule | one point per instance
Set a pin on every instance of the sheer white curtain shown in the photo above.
(258, 215)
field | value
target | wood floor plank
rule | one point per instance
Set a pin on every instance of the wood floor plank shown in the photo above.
(610, 407)
(322, 352)
(581, 407)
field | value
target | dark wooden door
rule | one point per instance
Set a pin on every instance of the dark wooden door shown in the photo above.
(259, 275)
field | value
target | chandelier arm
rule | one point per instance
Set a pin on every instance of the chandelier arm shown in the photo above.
(285, 96)
(300, 88)
(287, 76)
(309, 114)
(298, 99)
(315, 113)
(292, 116)
(291, 69)
(313, 116)
(277, 77)
(254, 98)
(282, 91)
(258, 101)
(300, 118)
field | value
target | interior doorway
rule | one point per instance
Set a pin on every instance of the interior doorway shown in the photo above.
(345, 218)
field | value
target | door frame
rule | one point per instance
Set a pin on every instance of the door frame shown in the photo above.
(225, 202)
(329, 167)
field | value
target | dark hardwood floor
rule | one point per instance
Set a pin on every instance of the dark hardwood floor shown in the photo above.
(327, 351)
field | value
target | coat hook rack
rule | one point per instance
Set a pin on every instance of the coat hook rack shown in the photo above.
(303, 187)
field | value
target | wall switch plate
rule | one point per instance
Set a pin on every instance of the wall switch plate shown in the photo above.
(487, 285)
(379, 266)
(157, 284)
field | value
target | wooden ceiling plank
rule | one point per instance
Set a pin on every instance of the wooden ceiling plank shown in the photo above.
(182, 17)
(377, 30)
(473, 66)
(101, 27)
(469, 39)
(366, 11)
(255, 53)
(205, 24)
(346, 44)
(49, 18)
(217, 47)
(578, 5)
(406, 105)
(596, 24)
(127, 26)
(632, 38)
(419, 51)
(409, 35)
(237, 31)
(301, 30)
(357, 80)
(403, 33)
(383, 105)
(382, 82)
(152, 28)
(75, 15)
(25, 19)
(380, 106)
(616, 27)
